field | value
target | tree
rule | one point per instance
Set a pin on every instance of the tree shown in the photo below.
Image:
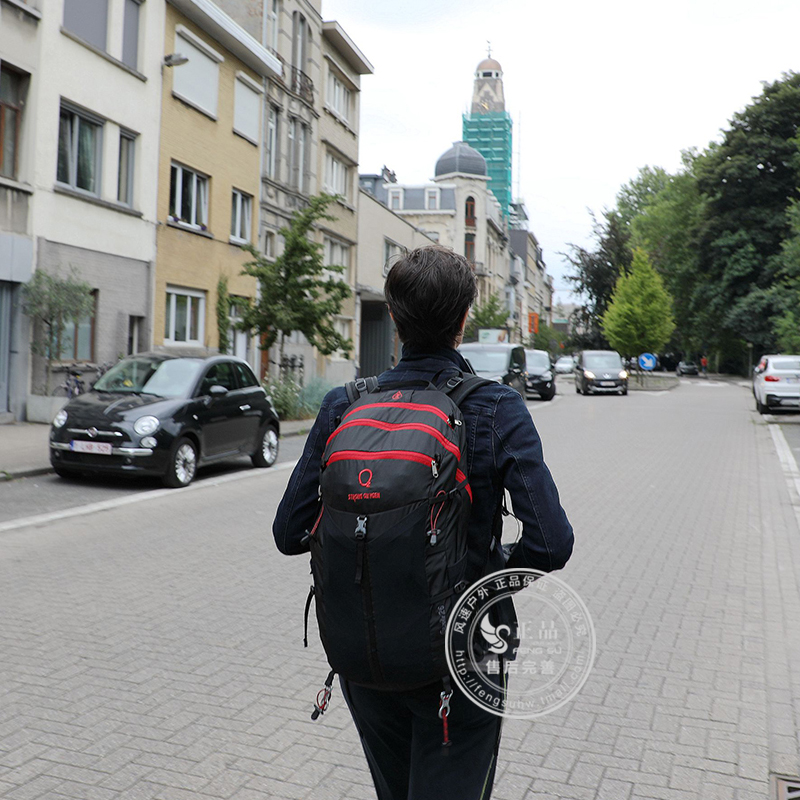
(548, 338)
(490, 314)
(596, 272)
(295, 293)
(223, 315)
(639, 316)
(51, 302)
(634, 197)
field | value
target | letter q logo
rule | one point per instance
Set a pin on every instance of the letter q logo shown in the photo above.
(365, 477)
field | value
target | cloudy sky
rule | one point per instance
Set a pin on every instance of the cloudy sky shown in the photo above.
(596, 89)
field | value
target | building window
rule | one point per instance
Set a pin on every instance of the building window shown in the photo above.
(184, 322)
(391, 252)
(337, 254)
(273, 16)
(269, 244)
(188, 197)
(130, 34)
(239, 339)
(135, 334)
(339, 97)
(125, 173)
(431, 199)
(80, 140)
(10, 119)
(469, 212)
(246, 107)
(469, 247)
(342, 327)
(299, 40)
(271, 156)
(87, 19)
(196, 82)
(241, 210)
(396, 199)
(77, 341)
(336, 176)
(298, 136)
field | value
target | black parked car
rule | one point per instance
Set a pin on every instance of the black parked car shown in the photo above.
(504, 363)
(156, 414)
(600, 371)
(541, 379)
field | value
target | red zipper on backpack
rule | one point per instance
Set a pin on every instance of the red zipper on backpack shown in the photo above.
(412, 406)
(399, 426)
(319, 517)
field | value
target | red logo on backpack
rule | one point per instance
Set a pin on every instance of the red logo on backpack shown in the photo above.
(365, 477)
(397, 395)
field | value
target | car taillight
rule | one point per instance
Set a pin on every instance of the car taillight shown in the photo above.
(771, 378)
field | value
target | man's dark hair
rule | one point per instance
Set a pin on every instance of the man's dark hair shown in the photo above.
(429, 291)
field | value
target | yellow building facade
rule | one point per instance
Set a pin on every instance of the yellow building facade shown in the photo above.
(209, 176)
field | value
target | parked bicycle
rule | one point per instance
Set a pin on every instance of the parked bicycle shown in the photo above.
(73, 384)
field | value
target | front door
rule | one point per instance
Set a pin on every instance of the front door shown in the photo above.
(220, 417)
(5, 342)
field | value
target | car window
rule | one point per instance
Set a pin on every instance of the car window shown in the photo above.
(792, 364)
(535, 359)
(518, 357)
(220, 374)
(245, 375)
(163, 377)
(493, 361)
(602, 361)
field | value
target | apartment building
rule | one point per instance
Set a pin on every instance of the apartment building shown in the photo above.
(208, 176)
(81, 82)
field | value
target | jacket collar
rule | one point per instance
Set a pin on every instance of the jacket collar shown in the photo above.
(439, 354)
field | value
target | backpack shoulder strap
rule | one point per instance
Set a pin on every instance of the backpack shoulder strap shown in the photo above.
(459, 387)
(359, 387)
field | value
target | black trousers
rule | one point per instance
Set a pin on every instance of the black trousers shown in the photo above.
(402, 738)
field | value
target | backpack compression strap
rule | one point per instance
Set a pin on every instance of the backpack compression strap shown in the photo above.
(359, 387)
(459, 387)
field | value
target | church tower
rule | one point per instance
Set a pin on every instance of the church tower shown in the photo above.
(487, 128)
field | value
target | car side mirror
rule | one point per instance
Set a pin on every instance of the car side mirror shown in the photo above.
(217, 391)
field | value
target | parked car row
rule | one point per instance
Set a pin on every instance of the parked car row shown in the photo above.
(530, 372)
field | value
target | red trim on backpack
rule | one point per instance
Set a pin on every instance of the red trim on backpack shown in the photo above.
(380, 455)
(460, 476)
(412, 406)
(399, 426)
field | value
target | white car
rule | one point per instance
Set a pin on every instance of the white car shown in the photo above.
(565, 365)
(776, 383)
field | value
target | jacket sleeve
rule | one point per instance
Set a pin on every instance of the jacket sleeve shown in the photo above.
(547, 538)
(300, 504)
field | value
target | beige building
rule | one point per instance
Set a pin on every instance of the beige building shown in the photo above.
(209, 174)
(383, 235)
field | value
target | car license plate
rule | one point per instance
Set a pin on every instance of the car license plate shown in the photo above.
(96, 448)
(607, 383)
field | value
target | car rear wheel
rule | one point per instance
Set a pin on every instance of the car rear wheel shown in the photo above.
(182, 464)
(267, 453)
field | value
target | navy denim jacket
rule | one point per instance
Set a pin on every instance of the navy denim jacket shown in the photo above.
(503, 452)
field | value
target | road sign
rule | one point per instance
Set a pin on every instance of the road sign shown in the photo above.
(647, 361)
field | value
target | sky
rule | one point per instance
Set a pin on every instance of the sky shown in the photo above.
(597, 90)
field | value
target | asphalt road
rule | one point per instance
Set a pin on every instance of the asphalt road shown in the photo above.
(153, 649)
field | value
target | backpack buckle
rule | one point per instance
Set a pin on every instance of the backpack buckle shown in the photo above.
(454, 381)
(361, 385)
(459, 587)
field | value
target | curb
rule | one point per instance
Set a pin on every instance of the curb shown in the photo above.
(33, 472)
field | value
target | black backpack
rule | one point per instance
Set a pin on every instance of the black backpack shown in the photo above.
(389, 545)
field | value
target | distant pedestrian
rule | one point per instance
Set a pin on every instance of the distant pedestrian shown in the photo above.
(429, 293)
(704, 364)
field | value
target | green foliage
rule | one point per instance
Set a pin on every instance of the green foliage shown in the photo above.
(639, 316)
(787, 332)
(634, 197)
(491, 314)
(596, 271)
(548, 339)
(51, 302)
(293, 401)
(295, 292)
(223, 315)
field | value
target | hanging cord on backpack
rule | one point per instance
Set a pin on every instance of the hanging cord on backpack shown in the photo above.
(323, 696)
(305, 615)
(444, 713)
(433, 531)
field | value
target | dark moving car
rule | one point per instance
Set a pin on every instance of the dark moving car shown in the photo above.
(541, 379)
(156, 414)
(504, 363)
(600, 371)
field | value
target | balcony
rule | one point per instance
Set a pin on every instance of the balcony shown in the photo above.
(302, 85)
(480, 269)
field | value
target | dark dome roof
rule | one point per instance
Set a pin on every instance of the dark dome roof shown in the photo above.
(461, 158)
